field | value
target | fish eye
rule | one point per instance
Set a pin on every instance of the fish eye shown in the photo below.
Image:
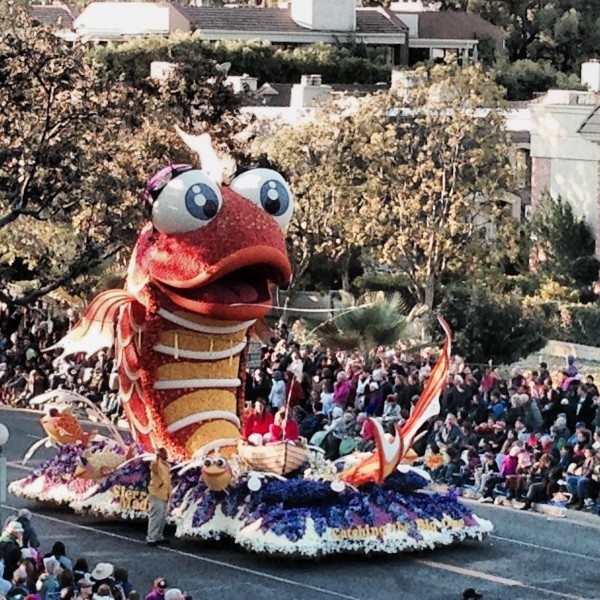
(189, 201)
(208, 461)
(269, 190)
(220, 462)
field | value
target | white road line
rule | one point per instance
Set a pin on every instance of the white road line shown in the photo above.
(539, 547)
(211, 561)
(19, 466)
(495, 579)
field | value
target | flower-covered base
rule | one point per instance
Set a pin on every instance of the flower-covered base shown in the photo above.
(308, 518)
(61, 493)
(71, 475)
(55, 480)
(295, 516)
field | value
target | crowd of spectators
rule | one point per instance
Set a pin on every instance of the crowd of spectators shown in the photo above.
(27, 371)
(530, 436)
(26, 573)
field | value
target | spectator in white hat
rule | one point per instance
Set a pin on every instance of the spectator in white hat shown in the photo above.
(47, 585)
(11, 541)
(103, 574)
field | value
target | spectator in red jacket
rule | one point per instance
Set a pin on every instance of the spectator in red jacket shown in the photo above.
(282, 423)
(259, 420)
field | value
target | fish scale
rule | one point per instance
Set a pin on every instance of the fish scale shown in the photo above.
(201, 402)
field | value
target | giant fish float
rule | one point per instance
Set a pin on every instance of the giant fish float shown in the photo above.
(198, 280)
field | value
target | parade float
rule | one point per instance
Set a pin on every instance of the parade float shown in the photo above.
(198, 280)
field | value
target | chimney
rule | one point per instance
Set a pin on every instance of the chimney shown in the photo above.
(325, 15)
(162, 71)
(590, 75)
(309, 92)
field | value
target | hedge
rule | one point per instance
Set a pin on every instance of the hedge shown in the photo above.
(257, 58)
(576, 323)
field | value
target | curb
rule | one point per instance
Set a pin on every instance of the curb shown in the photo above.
(560, 512)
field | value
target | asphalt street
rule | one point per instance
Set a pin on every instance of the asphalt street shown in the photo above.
(528, 556)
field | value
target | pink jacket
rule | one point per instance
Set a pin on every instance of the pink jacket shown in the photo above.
(509, 465)
(341, 395)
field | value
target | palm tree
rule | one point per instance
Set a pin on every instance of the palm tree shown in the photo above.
(375, 320)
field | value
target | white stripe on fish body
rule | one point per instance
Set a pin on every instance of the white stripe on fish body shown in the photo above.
(209, 382)
(169, 316)
(208, 415)
(199, 355)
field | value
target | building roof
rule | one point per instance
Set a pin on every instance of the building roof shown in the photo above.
(59, 17)
(456, 25)
(591, 126)
(258, 19)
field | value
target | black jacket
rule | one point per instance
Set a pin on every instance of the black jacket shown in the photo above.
(30, 538)
(10, 553)
(585, 411)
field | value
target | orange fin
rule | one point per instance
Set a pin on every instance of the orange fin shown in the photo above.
(381, 463)
(428, 404)
(95, 329)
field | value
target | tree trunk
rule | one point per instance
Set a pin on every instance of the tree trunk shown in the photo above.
(346, 272)
(430, 291)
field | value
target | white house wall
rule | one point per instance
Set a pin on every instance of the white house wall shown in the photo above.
(564, 163)
(576, 181)
(124, 18)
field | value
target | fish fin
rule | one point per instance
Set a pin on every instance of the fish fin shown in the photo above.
(95, 329)
(210, 162)
(381, 463)
(428, 404)
(362, 472)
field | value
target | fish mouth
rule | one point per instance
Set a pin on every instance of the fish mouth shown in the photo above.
(235, 288)
(215, 473)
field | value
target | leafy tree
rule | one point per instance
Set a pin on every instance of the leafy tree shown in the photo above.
(563, 242)
(77, 144)
(487, 49)
(578, 323)
(488, 326)
(61, 209)
(375, 3)
(563, 32)
(410, 185)
(445, 165)
(523, 79)
(501, 258)
(258, 58)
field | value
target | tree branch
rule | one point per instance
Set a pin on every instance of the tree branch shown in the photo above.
(9, 217)
(76, 269)
(43, 138)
